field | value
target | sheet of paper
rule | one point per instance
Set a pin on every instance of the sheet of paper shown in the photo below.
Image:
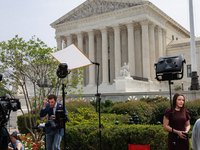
(41, 125)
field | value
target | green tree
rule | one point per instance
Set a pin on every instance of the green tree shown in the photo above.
(28, 68)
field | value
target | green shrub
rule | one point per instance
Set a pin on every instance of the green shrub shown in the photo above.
(108, 103)
(115, 137)
(73, 106)
(107, 106)
(154, 100)
(141, 109)
(158, 111)
(194, 110)
(21, 124)
(84, 115)
(96, 105)
(177, 88)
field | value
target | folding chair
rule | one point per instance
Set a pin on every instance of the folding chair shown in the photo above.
(138, 147)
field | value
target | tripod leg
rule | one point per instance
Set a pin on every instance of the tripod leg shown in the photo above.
(10, 139)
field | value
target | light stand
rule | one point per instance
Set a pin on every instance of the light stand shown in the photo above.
(10, 139)
(8, 136)
(170, 68)
(68, 55)
(63, 95)
(171, 113)
(62, 72)
(98, 98)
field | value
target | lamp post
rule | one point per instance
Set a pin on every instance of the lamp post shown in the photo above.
(182, 86)
(117, 122)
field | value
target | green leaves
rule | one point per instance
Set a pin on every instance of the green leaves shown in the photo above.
(28, 66)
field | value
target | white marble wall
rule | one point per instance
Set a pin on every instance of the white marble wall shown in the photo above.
(138, 44)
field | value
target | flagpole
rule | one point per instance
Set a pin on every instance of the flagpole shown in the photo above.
(194, 75)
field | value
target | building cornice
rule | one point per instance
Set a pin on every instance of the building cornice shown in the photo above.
(183, 43)
(94, 8)
(148, 9)
(119, 14)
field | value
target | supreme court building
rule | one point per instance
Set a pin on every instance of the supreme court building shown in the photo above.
(124, 35)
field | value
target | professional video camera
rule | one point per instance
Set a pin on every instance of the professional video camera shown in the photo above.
(6, 105)
(60, 116)
(60, 119)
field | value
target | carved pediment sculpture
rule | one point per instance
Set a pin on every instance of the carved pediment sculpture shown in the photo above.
(95, 7)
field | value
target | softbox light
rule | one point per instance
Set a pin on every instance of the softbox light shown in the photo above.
(169, 68)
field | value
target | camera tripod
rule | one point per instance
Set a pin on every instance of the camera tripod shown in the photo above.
(5, 145)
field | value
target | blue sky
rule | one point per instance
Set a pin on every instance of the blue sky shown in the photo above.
(33, 17)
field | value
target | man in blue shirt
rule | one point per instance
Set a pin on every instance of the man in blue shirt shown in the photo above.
(54, 135)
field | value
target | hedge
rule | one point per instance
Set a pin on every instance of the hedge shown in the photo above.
(151, 112)
(194, 110)
(21, 124)
(116, 137)
(72, 106)
(142, 109)
(158, 111)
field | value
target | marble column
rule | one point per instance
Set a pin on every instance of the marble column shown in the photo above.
(69, 40)
(92, 58)
(80, 41)
(80, 46)
(124, 46)
(138, 51)
(152, 49)
(104, 56)
(145, 49)
(75, 41)
(99, 55)
(59, 42)
(86, 52)
(117, 51)
(64, 42)
(158, 42)
(164, 32)
(131, 48)
(112, 56)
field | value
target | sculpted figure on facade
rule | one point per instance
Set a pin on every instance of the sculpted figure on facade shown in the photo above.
(97, 7)
(125, 70)
(111, 7)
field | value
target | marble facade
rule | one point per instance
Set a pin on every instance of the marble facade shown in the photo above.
(114, 32)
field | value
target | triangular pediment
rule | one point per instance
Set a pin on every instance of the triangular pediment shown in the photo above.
(96, 7)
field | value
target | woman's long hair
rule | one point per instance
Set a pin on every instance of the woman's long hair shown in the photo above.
(16, 136)
(174, 104)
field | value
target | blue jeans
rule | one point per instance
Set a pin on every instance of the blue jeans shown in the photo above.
(53, 140)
